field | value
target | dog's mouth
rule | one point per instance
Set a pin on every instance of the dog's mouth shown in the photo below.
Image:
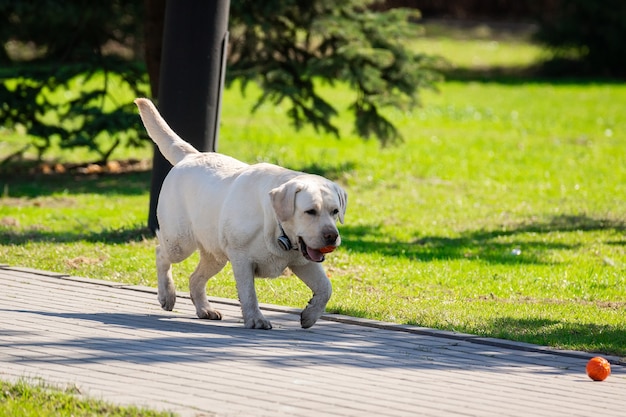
(311, 254)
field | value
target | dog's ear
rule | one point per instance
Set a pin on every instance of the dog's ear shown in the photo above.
(284, 199)
(343, 201)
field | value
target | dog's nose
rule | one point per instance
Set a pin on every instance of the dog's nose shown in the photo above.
(330, 237)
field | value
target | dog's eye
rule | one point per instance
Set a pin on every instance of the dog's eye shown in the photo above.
(312, 212)
(335, 212)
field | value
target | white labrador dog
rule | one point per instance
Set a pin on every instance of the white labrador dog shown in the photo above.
(262, 218)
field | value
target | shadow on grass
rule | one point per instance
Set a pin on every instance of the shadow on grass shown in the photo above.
(131, 183)
(108, 236)
(332, 172)
(590, 337)
(481, 244)
(563, 334)
(550, 72)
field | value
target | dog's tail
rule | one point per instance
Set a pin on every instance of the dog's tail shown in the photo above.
(173, 148)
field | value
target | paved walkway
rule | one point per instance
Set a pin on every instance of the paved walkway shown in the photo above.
(113, 342)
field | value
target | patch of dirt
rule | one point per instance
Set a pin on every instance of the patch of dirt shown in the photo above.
(81, 261)
(46, 168)
(47, 202)
(9, 222)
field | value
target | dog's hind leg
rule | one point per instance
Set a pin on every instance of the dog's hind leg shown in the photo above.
(167, 289)
(207, 268)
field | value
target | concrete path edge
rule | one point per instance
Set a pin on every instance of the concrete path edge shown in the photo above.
(487, 341)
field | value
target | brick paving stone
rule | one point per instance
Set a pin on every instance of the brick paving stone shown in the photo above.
(112, 341)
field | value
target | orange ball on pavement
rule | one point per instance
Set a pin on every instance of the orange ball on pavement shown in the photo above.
(598, 368)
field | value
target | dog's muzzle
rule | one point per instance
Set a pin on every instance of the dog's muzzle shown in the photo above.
(313, 255)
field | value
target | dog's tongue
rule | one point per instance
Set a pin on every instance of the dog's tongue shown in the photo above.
(315, 255)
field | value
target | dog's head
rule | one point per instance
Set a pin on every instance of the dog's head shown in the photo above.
(308, 208)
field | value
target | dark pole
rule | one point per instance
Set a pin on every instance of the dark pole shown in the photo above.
(191, 79)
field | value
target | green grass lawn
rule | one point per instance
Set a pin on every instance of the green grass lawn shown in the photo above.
(26, 400)
(502, 214)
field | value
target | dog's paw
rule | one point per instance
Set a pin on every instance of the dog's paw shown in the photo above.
(258, 323)
(167, 301)
(209, 313)
(309, 317)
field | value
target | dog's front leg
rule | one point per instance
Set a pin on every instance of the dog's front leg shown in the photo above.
(244, 277)
(313, 275)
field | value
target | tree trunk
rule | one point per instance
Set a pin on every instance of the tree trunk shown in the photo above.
(189, 78)
(153, 32)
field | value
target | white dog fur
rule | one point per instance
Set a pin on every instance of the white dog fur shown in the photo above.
(232, 211)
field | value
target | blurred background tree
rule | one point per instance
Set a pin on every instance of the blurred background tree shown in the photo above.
(60, 59)
(289, 45)
(585, 36)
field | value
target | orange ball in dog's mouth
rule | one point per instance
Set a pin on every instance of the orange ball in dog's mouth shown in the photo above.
(327, 249)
